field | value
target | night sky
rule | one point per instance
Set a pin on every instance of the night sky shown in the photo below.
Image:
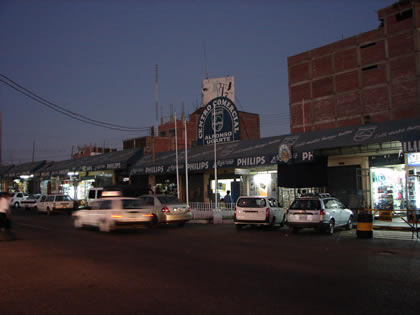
(97, 59)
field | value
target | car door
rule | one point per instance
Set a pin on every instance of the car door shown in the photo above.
(103, 211)
(331, 209)
(344, 214)
(42, 204)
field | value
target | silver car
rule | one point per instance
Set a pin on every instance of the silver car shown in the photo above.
(166, 209)
(320, 211)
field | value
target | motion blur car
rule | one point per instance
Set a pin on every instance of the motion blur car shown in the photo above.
(166, 209)
(319, 211)
(258, 210)
(30, 202)
(110, 214)
(16, 198)
(56, 203)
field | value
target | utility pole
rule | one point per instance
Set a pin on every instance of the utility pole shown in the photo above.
(156, 100)
(33, 151)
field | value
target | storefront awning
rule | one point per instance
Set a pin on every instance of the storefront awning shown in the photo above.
(268, 151)
(24, 169)
(4, 169)
(107, 161)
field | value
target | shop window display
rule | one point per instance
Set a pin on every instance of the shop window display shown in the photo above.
(388, 188)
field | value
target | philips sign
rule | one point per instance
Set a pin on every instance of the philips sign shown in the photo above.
(221, 114)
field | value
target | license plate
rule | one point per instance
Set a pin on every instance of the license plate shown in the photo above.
(303, 217)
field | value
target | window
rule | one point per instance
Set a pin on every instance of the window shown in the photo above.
(252, 202)
(168, 200)
(306, 204)
(105, 204)
(43, 198)
(369, 68)
(404, 15)
(147, 201)
(162, 134)
(91, 194)
(19, 195)
(132, 204)
(331, 204)
(50, 198)
(367, 45)
(172, 132)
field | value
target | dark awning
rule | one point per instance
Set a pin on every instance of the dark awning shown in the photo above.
(24, 169)
(265, 151)
(108, 161)
(4, 169)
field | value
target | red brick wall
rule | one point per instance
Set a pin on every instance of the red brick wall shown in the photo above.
(371, 74)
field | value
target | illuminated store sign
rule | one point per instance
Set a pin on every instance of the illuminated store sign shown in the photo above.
(226, 117)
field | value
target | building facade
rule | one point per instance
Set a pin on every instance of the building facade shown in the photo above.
(367, 78)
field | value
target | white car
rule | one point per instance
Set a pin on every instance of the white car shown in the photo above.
(56, 203)
(109, 214)
(16, 199)
(319, 211)
(258, 210)
(31, 201)
(167, 209)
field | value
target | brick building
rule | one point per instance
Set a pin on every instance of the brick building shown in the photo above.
(368, 78)
(165, 139)
(90, 150)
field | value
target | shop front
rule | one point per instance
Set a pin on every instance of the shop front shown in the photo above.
(21, 178)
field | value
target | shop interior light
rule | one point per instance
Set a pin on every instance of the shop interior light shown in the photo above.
(26, 176)
(73, 173)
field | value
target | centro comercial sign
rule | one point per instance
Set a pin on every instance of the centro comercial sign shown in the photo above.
(224, 111)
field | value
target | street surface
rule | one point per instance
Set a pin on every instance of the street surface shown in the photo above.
(53, 268)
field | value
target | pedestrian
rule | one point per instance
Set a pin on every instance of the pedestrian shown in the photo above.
(5, 223)
(227, 199)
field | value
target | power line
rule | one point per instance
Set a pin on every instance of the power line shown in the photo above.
(12, 84)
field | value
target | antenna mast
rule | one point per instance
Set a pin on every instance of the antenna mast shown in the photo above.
(205, 61)
(156, 101)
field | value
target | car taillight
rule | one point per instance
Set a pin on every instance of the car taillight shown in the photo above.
(165, 209)
(189, 209)
(116, 216)
(322, 212)
(267, 213)
(287, 211)
(54, 204)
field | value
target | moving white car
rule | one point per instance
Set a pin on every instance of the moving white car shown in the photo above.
(258, 210)
(319, 211)
(110, 214)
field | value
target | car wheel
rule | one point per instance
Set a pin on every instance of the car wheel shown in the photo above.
(330, 229)
(77, 223)
(238, 227)
(105, 226)
(16, 205)
(49, 211)
(154, 221)
(283, 221)
(349, 224)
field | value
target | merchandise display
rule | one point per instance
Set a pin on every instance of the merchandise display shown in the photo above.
(388, 188)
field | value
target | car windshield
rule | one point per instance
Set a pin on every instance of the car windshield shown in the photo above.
(306, 204)
(252, 202)
(169, 200)
(132, 204)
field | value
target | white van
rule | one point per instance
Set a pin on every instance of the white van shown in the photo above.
(94, 194)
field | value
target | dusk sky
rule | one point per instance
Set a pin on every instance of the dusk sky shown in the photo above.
(97, 59)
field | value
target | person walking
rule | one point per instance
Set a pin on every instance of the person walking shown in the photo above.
(4, 212)
(228, 199)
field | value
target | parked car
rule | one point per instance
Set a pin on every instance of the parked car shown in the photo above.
(56, 203)
(109, 214)
(258, 210)
(319, 211)
(166, 209)
(16, 199)
(30, 202)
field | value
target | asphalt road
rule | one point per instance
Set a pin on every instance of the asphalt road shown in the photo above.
(203, 269)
